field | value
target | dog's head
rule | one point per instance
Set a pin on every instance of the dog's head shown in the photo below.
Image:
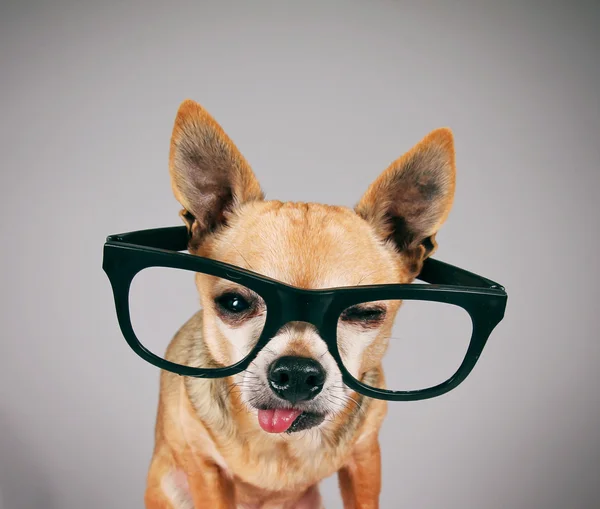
(385, 239)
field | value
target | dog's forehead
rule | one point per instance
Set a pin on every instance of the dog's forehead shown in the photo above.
(306, 245)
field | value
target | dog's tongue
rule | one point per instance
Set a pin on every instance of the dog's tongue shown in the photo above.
(277, 420)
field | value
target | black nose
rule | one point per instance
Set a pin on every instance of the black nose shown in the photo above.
(296, 378)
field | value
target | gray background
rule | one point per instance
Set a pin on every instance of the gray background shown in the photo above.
(320, 97)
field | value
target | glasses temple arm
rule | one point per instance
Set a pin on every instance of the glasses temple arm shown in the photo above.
(172, 238)
(440, 273)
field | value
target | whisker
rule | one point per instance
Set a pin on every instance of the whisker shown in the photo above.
(244, 258)
(365, 276)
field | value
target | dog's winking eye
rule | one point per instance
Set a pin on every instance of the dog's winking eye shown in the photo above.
(233, 303)
(364, 314)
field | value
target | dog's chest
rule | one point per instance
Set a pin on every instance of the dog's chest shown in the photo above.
(303, 499)
(176, 487)
(279, 466)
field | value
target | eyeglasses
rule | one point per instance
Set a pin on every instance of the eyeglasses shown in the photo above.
(354, 322)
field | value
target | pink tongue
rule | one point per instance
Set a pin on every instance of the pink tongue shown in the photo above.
(278, 420)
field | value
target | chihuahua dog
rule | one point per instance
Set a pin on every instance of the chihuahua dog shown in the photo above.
(215, 447)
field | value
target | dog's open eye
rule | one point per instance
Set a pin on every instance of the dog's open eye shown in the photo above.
(232, 303)
(363, 314)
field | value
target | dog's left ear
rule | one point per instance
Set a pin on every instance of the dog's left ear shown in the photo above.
(411, 199)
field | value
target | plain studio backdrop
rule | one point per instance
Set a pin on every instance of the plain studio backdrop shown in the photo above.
(320, 96)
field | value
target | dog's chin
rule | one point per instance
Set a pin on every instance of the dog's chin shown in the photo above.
(306, 421)
(277, 419)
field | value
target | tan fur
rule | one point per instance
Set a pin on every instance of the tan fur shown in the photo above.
(208, 444)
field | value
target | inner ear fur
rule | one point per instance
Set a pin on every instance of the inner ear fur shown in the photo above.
(412, 198)
(209, 175)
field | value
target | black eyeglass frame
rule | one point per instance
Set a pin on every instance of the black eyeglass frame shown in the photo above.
(126, 254)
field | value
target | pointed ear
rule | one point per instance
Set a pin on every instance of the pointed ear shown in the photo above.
(411, 199)
(209, 176)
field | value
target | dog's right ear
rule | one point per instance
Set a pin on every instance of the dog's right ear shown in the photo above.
(209, 175)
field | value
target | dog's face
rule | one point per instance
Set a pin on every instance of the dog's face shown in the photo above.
(294, 383)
